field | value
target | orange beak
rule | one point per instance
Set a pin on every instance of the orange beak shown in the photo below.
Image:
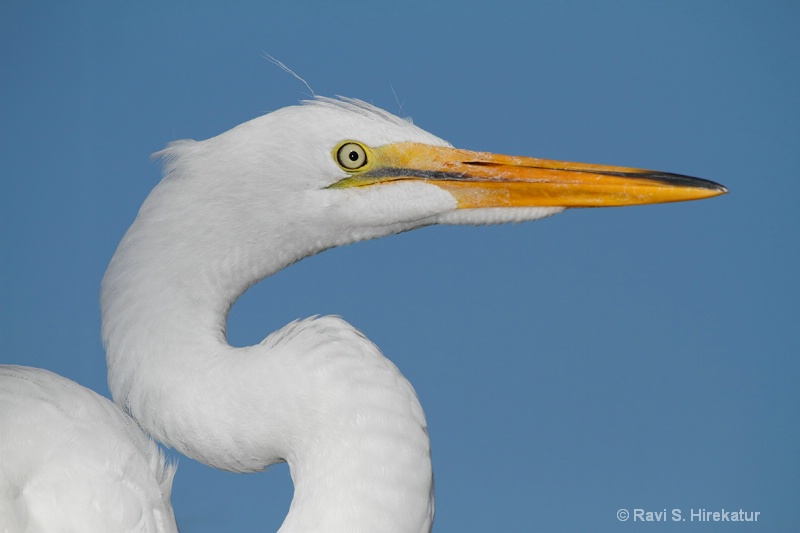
(482, 179)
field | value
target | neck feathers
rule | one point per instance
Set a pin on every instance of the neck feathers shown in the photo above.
(316, 394)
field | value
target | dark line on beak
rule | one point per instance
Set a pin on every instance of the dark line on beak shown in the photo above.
(387, 172)
(666, 178)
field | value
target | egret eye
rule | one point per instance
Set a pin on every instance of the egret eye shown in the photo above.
(351, 156)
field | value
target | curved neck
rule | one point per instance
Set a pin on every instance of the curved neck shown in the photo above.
(316, 394)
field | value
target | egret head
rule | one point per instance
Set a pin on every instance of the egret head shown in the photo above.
(342, 170)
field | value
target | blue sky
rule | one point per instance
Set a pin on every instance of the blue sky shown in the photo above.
(642, 357)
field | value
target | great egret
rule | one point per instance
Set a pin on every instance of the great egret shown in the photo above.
(317, 394)
(71, 461)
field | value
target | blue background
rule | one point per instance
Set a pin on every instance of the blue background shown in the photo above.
(642, 357)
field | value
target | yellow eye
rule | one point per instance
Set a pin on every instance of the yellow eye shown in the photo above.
(351, 156)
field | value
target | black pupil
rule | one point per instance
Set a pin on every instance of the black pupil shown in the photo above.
(353, 155)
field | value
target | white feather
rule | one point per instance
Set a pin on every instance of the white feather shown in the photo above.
(70, 460)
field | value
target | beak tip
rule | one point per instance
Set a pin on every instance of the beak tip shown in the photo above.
(720, 189)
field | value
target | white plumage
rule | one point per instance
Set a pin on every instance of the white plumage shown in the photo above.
(71, 461)
(316, 394)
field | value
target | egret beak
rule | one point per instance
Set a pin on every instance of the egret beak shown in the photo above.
(482, 179)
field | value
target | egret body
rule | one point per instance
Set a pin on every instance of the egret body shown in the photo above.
(71, 460)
